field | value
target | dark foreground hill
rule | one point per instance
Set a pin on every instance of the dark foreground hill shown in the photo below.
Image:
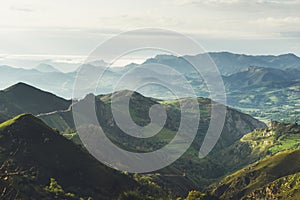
(38, 163)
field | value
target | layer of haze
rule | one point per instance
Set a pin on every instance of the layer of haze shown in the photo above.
(71, 29)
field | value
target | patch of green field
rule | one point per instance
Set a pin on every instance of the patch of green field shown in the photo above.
(288, 142)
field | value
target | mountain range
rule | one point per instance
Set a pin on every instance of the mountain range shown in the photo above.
(227, 63)
(254, 84)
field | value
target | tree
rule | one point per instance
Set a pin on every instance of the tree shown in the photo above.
(195, 195)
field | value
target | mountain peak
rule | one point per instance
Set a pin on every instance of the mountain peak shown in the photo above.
(98, 63)
(19, 85)
(165, 56)
(24, 98)
(43, 67)
(161, 57)
(288, 55)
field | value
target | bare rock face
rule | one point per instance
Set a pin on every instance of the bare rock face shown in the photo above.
(238, 124)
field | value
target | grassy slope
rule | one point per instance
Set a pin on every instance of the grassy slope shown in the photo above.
(274, 175)
(259, 144)
(265, 179)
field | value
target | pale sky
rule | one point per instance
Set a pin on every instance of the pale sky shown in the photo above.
(76, 27)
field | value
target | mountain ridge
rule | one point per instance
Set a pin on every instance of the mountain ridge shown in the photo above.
(254, 77)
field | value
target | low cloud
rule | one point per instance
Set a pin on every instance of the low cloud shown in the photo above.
(278, 21)
(291, 34)
(22, 8)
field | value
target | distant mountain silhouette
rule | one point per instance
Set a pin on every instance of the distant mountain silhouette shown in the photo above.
(256, 77)
(23, 98)
(46, 68)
